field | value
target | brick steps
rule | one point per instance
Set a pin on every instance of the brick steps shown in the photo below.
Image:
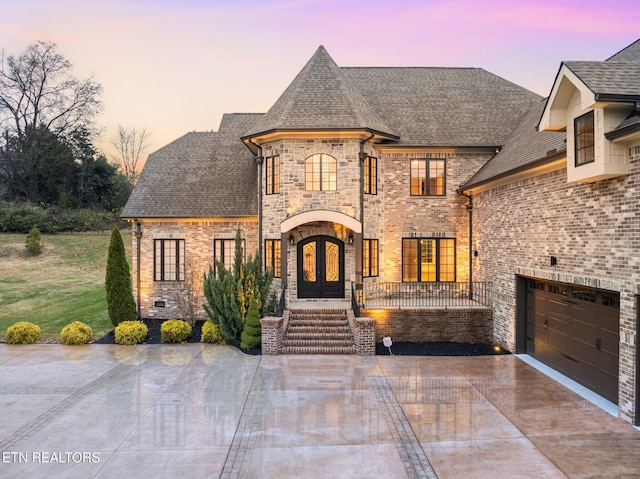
(318, 332)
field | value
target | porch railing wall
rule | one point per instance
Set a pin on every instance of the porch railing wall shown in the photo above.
(417, 295)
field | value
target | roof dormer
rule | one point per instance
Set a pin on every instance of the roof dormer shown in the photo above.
(589, 100)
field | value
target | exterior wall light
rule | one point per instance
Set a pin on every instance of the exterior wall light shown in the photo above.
(292, 240)
(138, 230)
(554, 261)
(350, 238)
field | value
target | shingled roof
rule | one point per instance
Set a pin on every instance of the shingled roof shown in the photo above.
(609, 80)
(320, 98)
(203, 174)
(525, 147)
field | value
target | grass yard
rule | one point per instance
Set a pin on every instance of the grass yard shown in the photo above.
(65, 283)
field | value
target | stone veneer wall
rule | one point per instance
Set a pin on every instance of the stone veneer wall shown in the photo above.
(454, 324)
(199, 236)
(593, 229)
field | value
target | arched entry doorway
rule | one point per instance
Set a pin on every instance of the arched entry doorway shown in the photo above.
(320, 267)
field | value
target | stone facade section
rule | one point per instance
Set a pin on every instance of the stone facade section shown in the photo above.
(593, 230)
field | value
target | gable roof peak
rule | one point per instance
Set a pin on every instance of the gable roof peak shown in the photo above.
(320, 97)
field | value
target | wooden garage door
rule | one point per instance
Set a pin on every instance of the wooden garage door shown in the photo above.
(576, 331)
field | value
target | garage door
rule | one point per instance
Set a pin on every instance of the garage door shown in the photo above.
(576, 331)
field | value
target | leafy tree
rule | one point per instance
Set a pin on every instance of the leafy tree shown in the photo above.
(37, 88)
(130, 145)
(120, 301)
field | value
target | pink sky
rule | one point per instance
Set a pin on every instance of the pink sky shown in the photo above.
(175, 66)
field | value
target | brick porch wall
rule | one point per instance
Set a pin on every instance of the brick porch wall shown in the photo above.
(464, 325)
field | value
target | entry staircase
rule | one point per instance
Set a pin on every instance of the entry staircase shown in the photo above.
(318, 331)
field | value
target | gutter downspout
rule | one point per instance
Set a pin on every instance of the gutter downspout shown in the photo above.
(259, 160)
(359, 237)
(138, 234)
(470, 210)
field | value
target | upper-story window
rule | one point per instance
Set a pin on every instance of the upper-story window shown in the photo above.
(428, 177)
(371, 175)
(272, 164)
(320, 172)
(168, 260)
(583, 127)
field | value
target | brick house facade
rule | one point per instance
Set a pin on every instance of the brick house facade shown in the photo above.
(413, 176)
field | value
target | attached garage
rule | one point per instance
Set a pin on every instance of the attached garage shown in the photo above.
(575, 330)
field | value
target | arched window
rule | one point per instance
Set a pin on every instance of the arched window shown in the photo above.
(320, 172)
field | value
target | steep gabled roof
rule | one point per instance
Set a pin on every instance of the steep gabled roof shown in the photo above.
(440, 107)
(200, 174)
(609, 80)
(627, 54)
(320, 97)
(527, 146)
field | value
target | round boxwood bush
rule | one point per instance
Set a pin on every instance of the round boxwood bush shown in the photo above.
(175, 331)
(211, 333)
(22, 332)
(131, 332)
(76, 333)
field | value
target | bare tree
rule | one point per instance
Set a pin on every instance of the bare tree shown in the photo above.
(130, 145)
(189, 296)
(37, 89)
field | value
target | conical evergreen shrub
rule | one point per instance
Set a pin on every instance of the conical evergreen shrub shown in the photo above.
(120, 301)
(252, 333)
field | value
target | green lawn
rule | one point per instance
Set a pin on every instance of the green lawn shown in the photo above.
(63, 284)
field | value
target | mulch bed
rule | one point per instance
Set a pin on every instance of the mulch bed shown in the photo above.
(397, 349)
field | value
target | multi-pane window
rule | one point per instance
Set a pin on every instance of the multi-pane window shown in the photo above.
(371, 175)
(428, 259)
(224, 250)
(584, 139)
(168, 260)
(272, 256)
(370, 257)
(320, 172)
(272, 173)
(428, 177)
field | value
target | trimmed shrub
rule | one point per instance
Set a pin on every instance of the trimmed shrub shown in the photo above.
(120, 301)
(131, 332)
(211, 333)
(76, 333)
(252, 333)
(34, 241)
(175, 331)
(22, 332)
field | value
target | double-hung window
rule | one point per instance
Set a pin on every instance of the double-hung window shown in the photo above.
(428, 259)
(370, 258)
(371, 175)
(584, 139)
(272, 256)
(428, 177)
(320, 173)
(225, 250)
(272, 173)
(168, 260)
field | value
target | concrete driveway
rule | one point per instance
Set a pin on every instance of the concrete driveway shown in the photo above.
(155, 411)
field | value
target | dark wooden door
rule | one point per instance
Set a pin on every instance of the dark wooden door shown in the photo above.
(321, 267)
